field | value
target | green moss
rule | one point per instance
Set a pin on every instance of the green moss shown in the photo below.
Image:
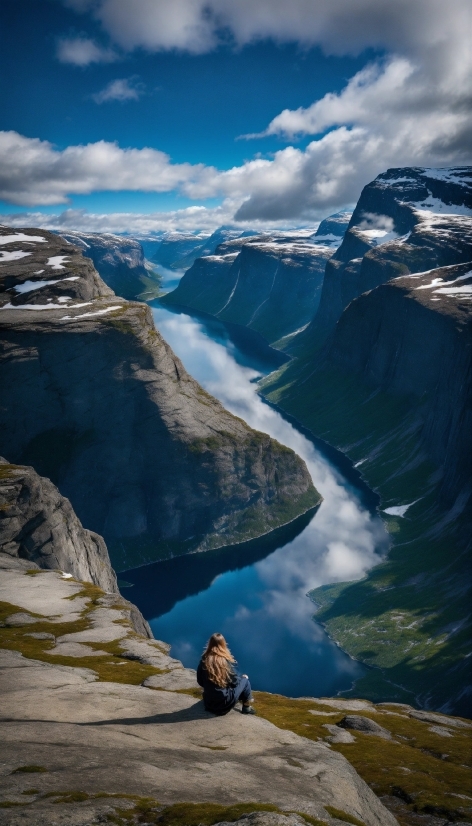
(340, 815)
(29, 769)
(113, 666)
(399, 618)
(312, 820)
(6, 470)
(192, 814)
(431, 769)
(31, 791)
(9, 804)
(72, 797)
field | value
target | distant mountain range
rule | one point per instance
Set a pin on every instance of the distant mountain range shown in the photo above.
(97, 402)
(383, 372)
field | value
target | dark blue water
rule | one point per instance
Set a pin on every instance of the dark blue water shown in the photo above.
(255, 594)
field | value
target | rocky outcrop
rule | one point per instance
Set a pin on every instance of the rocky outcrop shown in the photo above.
(271, 284)
(176, 246)
(178, 251)
(416, 343)
(120, 263)
(332, 230)
(76, 681)
(38, 524)
(406, 221)
(390, 385)
(148, 459)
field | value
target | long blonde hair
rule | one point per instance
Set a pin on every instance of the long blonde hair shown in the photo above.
(217, 659)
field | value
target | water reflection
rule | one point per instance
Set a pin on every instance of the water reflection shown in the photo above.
(255, 595)
(346, 537)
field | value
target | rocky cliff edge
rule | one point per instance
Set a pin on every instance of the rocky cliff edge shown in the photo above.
(97, 401)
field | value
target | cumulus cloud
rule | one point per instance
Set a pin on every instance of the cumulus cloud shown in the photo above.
(34, 172)
(294, 185)
(138, 224)
(121, 89)
(412, 107)
(81, 51)
(340, 26)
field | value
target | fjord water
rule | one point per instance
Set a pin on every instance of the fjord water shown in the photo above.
(256, 594)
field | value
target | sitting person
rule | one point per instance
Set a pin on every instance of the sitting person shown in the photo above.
(222, 686)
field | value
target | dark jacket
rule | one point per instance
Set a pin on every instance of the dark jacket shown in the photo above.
(216, 699)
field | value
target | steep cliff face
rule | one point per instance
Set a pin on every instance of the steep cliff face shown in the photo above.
(211, 245)
(407, 220)
(332, 230)
(97, 401)
(271, 284)
(120, 263)
(38, 524)
(390, 386)
(175, 246)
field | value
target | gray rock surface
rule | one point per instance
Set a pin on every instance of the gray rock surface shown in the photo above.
(406, 221)
(148, 459)
(179, 250)
(94, 736)
(120, 263)
(270, 284)
(338, 735)
(356, 722)
(440, 719)
(434, 307)
(391, 344)
(38, 524)
(332, 230)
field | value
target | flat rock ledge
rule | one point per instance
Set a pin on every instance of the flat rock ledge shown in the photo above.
(84, 731)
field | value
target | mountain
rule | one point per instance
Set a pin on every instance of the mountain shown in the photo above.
(113, 730)
(405, 221)
(210, 245)
(271, 284)
(389, 384)
(332, 230)
(39, 525)
(175, 246)
(120, 263)
(178, 251)
(98, 402)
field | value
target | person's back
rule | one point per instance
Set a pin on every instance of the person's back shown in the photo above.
(222, 686)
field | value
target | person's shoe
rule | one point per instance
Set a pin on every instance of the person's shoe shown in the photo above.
(248, 710)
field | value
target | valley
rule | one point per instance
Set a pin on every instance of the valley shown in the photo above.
(247, 471)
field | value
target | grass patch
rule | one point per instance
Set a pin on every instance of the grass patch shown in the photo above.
(339, 814)
(431, 770)
(190, 814)
(72, 797)
(113, 666)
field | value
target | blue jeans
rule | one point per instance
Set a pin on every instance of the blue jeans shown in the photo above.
(242, 692)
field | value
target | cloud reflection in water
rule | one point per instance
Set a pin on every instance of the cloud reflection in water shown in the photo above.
(264, 607)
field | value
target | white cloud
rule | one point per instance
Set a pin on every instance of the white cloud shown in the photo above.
(410, 108)
(121, 89)
(34, 172)
(340, 26)
(139, 224)
(81, 51)
(295, 185)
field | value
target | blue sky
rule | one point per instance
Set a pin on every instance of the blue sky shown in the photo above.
(129, 115)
